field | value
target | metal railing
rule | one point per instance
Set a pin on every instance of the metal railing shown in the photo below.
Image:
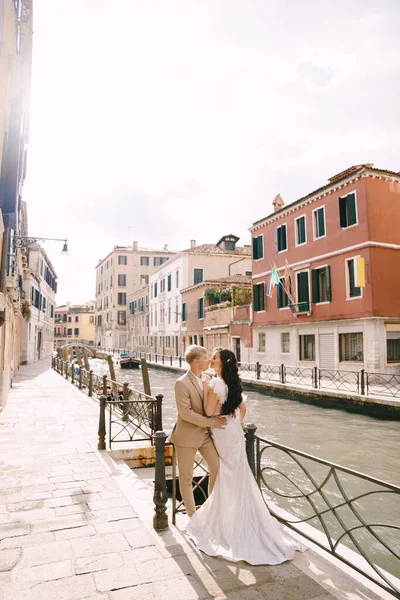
(133, 415)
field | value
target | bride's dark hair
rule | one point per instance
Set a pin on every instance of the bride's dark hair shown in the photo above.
(230, 374)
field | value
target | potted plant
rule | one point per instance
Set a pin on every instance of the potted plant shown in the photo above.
(26, 309)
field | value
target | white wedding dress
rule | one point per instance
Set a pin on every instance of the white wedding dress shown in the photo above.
(234, 522)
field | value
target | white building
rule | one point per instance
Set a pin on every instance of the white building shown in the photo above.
(167, 322)
(40, 287)
(122, 272)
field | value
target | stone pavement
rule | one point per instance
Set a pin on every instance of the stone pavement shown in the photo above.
(75, 524)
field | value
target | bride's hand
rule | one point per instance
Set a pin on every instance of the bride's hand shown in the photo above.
(206, 384)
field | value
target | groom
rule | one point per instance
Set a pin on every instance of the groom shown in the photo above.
(192, 429)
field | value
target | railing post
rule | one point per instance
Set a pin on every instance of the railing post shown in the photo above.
(102, 424)
(315, 371)
(72, 374)
(170, 360)
(362, 382)
(156, 357)
(282, 373)
(180, 361)
(162, 358)
(160, 498)
(66, 370)
(80, 377)
(125, 395)
(258, 370)
(250, 447)
(90, 391)
(158, 419)
(105, 385)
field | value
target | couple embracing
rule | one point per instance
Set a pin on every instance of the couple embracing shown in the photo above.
(234, 522)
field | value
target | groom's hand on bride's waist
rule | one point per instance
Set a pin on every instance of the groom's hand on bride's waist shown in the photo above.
(220, 422)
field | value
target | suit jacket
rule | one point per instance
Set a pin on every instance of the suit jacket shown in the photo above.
(190, 430)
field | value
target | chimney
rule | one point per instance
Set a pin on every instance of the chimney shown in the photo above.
(165, 247)
(193, 243)
(278, 203)
(135, 246)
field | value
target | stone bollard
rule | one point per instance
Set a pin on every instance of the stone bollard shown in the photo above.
(90, 390)
(158, 416)
(104, 385)
(125, 406)
(180, 361)
(102, 424)
(282, 373)
(160, 498)
(250, 447)
(258, 370)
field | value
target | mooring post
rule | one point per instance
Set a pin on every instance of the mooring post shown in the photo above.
(160, 498)
(102, 424)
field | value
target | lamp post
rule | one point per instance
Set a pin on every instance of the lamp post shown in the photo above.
(22, 241)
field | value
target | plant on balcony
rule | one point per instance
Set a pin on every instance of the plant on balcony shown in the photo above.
(218, 306)
(241, 296)
(213, 296)
(26, 310)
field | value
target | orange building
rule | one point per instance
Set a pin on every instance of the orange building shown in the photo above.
(331, 309)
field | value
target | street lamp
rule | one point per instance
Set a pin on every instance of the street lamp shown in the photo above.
(22, 241)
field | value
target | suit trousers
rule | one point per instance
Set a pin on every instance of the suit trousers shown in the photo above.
(185, 458)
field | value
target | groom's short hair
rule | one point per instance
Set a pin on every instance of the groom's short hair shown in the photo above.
(194, 352)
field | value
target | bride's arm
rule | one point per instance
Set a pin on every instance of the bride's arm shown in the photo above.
(210, 399)
(242, 411)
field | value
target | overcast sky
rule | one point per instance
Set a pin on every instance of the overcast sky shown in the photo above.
(170, 120)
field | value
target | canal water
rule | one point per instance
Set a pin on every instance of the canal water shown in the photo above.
(362, 443)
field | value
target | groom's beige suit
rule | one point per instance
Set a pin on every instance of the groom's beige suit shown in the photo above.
(192, 433)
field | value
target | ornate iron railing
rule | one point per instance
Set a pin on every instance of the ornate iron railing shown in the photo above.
(199, 482)
(326, 503)
(379, 384)
(299, 375)
(270, 373)
(348, 381)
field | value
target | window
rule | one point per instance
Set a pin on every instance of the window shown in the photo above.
(229, 245)
(280, 239)
(69, 332)
(91, 319)
(184, 311)
(319, 222)
(258, 250)
(393, 346)
(76, 319)
(198, 276)
(259, 297)
(51, 310)
(122, 280)
(300, 226)
(307, 347)
(169, 312)
(285, 343)
(76, 331)
(352, 290)
(159, 260)
(282, 297)
(321, 285)
(169, 284)
(351, 347)
(69, 319)
(176, 311)
(200, 308)
(122, 260)
(177, 279)
(261, 342)
(144, 261)
(303, 292)
(122, 298)
(155, 290)
(347, 210)
(121, 317)
(162, 285)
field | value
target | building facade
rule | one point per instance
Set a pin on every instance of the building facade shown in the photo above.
(15, 78)
(39, 291)
(75, 323)
(219, 314)
(168, 313)
(138, 320)
(337, 252)
(121, 273)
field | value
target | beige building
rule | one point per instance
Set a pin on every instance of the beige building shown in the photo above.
(121, 273)
(168, 312)
(75, 323)
(15, 77)
(138, 320)
(39, 291)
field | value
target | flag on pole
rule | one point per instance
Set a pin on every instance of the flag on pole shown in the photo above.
(275, 277)
(287, 283)
(359, 272)
(269, 287)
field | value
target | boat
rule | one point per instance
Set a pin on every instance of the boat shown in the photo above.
(127, 362)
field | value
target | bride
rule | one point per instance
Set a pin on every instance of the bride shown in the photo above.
(234, 522)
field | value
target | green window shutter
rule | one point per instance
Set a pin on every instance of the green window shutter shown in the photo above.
(351, 209)
(316, 295)
(301, 231)
(260, 250)
(261, 298)
(283, 238)
(255, 248)
(303, 292)
(321, 222)
(184, 312)
(169, 283)
(342, 212)
(328, 284)
(255, 298)
(200, 308)
(279, 295)
(155, 290)
(276, 239)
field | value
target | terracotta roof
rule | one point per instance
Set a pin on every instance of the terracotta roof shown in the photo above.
(214, 249)
(232, 280)
(333, 180)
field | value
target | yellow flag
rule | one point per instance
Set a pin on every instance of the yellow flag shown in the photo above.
(359, 272)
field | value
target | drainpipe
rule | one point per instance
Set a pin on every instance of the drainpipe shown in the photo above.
(234, 263)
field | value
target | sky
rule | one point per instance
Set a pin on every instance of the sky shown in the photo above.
(162, 121)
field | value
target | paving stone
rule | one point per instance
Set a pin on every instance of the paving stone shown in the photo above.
(249, 594)
(138, 538)
(68, 588)
(160, 569)
(68, 477)
(100, 544)
(71, 510)
(29, 516)
(115, 579)
(90, 564)
(30, 576)
(58, 523)
(9, 558)
(26, 505)
(111, 494)
(24, 541)
(296, 588)
(77, 498)
(13, 530)
(140, 555)
(176, 588)
(63, 493)
(56, 502)
(46, 553)
(76, 532)
(108, 503)
(112, 514)
(115, 526)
